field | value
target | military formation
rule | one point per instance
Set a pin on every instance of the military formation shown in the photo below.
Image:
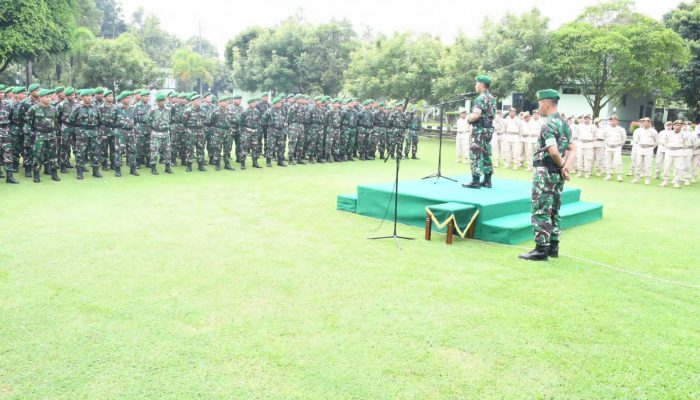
(48, 128)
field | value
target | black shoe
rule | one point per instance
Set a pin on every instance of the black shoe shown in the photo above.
(255, 163)
(79, 171)
(217, 166)
(242, 164)
(69, 166)
(54, 175)
(200, 167)
(538, 254)
(96, 172)
(553, 249)
(302, 161)
(47, 171)
(413, 157)
(117, 171)
(37, 177)
(154, 170)
(133, 171)
(2, 175)
(475, 184)
(9, 178)
(167, 169)
(487, 181)
(227, 165)
(381, 155)
(189, 167)
(27, 172)
(104, 166)
(292, 162)
(64, 169)
(281, 162)
(268, 163)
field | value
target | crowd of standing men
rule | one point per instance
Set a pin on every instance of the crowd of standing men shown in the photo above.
(672, 155)
(45, 127)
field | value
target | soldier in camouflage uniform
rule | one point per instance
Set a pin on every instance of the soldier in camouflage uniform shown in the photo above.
(397, 129)
(27, 142)
(333, 125)
(234, 136)
(5, 137)
(86, 119)
(40, 121)
(220, 121)
(194, 122)
(380, 131)
(321, 142)
(273, 120)
(124, 135)
(177, 128)
(414, 129)
(348, 133)
(262, 106)
(65, 130)
(159, 124)
(143, 135)
(294, 129)
(208, 105)
(554, 154)
(17, 126)
(313, 129)
(251, 135)
(481, 118)
(107, 116)
(365, 125)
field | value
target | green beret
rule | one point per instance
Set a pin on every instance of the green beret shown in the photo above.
(381, 104)
(399, 104)
(59, 89)
(172, 94)
(160, 97)
(484, 79)
(9, 89)
(182, 95)
(19, 89)
(224, 98)
(120, 96)
(214, 99)
(194, 97)
(291, 96)
(85, 92)
(298, 96)
(237, 97)
(253, 100)
(276, 100)
(33, 87)
(317, 98)
(98, 90)
(265, 95)
(282, 95)
(107, 93)
(45, 92)
(205, 95)
(2, 87)
(367, 102)
(389, 107)
(547, 94)
(145, 92)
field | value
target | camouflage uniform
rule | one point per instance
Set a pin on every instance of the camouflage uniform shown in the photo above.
(16, 127)
(107, 116)
(159, 124)
(41, 123)
(143, 135)
(27, 143)
(86, 120)
(219, 120)
(397, 129)
(365, 125)
(305, 113)
(124, 135)
(348, 133)
(273, 120)
(177, 130)
(547, 181)
(480, 141)
(333, 123)
(194, 122)
(321, 140)
(295, 128)
(380, 131)
(262, 107)
(234, 137)
(251, 135)
(208, 130)
(66, 132)
(5, 137)
(414, 128)
(314, 132)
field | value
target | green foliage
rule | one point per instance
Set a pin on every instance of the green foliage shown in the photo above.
(685, 20)
(402, 66)
(237, 48)
(610, 51)
(113, 23)
(88, 15)
(202, 46)
(459, 65)
(189, 67)
(157, 43)
(118, 63)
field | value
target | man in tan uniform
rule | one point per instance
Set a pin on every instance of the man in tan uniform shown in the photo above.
(529, 132)
(512, 143)
(599, 147)
(614, 139)
(675, 155)
(499, 131)
(661, 149)
(646, 138)
(586, 140)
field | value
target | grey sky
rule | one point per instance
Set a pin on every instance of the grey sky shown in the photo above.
(222, 20)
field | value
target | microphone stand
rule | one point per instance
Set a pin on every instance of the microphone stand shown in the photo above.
(395, 193)
(439, 174)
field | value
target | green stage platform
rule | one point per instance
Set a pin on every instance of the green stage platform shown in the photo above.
(504, 210)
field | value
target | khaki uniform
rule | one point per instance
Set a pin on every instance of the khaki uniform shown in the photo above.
(512, 144)
(586, 142)
(646, 140)
(675, 157)
(599, 150)
(661, 151)
(688, 154)
(464, 131)
(695, 165)
(497, 145)
(614, 139)
(529, 132)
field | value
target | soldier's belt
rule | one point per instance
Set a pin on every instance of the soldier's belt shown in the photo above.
(42, 130)
(613, 145)
(547, 163)
(647, 146)
(674, 148)
(88, 127)
(600, 140)
(587, 141)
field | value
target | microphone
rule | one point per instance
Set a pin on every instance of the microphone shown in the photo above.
(468, 94)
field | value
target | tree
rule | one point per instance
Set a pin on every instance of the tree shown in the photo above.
(685, 20)
(188, 67)
(202, 46)
(29, 29)
(328, 55)
(611, 51)
(458, 65)
(113, 23)
(237, 47)
(402, 66)
(88, 15)
(119, 63)
(157, 43)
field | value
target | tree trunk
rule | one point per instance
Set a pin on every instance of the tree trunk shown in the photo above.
(29, 72)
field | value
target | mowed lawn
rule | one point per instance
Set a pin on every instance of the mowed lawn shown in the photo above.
(250, 285)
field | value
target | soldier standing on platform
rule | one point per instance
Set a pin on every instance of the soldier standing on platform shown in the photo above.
(481, 119)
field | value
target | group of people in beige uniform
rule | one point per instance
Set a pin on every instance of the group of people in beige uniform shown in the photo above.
(672, 155)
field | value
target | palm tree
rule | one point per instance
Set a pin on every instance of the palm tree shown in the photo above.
(189, 67)
(81, 39)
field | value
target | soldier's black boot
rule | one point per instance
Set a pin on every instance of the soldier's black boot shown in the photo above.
(200, 167)
(104, 166)
(27, 172)
(64, 170)
(2, 175)
(538, 254)
(154, 170)
(217, 165)
(9, 178)
(189, 167)
(37, 177)
(255, 163)
(243, 164)
(281, 162)
(167, 169)
(117, 171)
(54, 175)
(291, 161)
(381, 155)
(321, 160)
(414, 157)
(487, 181)
(268, 162)
(553, 249)
(96, 172)
(69, 166)
(47, 170)
(227, 165)
(475, 184)
(79, 171)
(133, 171)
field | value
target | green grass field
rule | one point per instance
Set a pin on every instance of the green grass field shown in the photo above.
(249, 284)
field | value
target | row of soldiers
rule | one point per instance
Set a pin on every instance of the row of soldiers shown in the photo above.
(44, 126)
